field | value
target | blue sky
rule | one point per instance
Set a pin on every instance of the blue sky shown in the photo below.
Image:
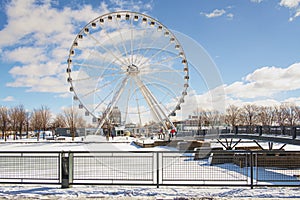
(254, 44)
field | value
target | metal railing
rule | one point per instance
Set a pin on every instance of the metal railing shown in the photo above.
(30, 167)
(198, 168)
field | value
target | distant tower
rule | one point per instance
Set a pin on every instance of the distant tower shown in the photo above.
(115, 116)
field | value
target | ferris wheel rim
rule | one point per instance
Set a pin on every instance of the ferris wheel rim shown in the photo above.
(106, 16)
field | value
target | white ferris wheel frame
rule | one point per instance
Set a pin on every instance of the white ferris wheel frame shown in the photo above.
(132, 69)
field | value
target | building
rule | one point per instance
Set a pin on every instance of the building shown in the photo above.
(115, 116)
(80, 132)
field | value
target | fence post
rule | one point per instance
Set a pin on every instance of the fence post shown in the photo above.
(66, 169)
(157, 169)
(71, 167)
(251, 169)
(236, 130)
(260, 130)
(294, 132)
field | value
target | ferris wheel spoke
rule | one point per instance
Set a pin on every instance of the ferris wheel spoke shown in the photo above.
(131, 41)
(106, 49)
(127, 100)
(105, 57)
(146, 51)
(140, 46)
(113, 43)
(84, 79)
(102, 101)
(114, 100)
(94, 66)
(112, 74)
(97, 54)
(101, 87)
(167, 95)
(168, 59)
(144, 72)
(138, 107)
(122, 41)
(90, 92)
(154, 55)
(108, 84)
(161, 80)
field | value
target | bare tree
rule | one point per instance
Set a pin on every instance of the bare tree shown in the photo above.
(212, 117)
(199, 118)
(21, 119)
(45, 118)
(232, 115)
(13, 115)
(281, 114)
(27, 123)
(249, 114)
(36, 122)
(266, 115)
(291, 114)
(4, 121)
(59, 121)
(73, 120)
(297, 110)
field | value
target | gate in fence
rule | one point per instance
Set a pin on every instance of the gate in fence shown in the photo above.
(214, 168)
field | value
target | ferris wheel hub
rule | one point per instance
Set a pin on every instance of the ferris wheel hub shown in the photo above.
(132, 69)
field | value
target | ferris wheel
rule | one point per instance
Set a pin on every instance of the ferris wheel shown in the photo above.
(130, 62)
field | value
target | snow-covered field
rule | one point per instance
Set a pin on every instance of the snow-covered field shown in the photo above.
(126, 192)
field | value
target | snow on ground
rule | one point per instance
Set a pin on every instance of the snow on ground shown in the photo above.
(127, 192)
(92, 143)
(8, 191)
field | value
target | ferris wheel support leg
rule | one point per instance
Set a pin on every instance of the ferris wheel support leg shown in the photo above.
(154, 105)
(160, 109)
(112, 104)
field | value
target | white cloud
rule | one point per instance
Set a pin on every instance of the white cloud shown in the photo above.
(259, 88)
(293, 5)
(37, 69)
(215, 13)
(8, 98)
(218, 13)
(290, 3)
(25, 55)
(37, 37)
(265, 82)
(297, 14)
(132, 5)
(256, 1)
(230, 16)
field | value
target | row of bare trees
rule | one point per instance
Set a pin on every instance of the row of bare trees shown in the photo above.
(17, 120)
(286, 114)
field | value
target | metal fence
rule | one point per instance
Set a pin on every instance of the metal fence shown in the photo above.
(292, 131)
(27, 167)
(199, 168)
